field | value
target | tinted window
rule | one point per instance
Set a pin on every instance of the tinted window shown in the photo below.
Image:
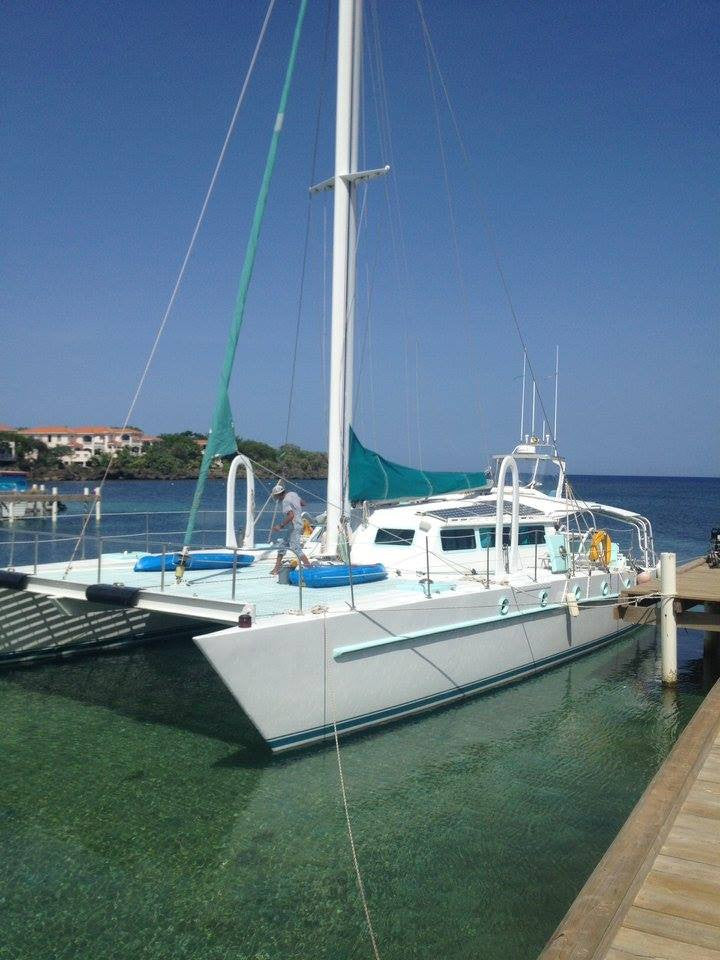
(458, 538)
(398, 538)
(526, 536)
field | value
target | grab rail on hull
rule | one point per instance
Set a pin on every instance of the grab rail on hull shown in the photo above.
(249, 535)
(513, 555)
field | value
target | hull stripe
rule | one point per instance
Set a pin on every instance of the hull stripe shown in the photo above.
(454, 693)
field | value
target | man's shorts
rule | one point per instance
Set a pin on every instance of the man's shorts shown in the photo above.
(289, 539)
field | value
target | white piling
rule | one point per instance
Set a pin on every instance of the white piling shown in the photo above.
(97, 503)
(86, 491)
(54, 504)
(668, 626)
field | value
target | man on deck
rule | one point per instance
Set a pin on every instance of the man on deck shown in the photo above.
(290, 527)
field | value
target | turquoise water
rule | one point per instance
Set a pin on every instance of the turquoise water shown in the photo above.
(140, 818)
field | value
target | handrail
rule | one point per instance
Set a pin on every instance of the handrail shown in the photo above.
(514, 557)
(249, 535)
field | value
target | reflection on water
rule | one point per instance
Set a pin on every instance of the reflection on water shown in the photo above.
(140, 817)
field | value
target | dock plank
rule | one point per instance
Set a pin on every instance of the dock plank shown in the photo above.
(641, 944)
(692, 845)
(673, 928)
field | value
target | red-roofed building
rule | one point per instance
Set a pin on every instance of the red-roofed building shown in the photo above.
(87, 441)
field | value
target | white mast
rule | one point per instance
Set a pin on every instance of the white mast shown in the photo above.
(344, 183)
(522, 406)
(347, 121)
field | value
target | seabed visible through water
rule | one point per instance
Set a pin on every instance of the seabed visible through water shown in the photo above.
(140, 817)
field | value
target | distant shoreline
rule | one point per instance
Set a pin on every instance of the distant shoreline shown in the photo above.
(61, 477)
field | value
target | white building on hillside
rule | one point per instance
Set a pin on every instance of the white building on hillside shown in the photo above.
(86, 442)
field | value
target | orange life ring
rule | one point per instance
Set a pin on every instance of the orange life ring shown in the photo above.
(600, 537)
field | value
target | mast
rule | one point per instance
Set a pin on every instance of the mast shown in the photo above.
(347, 125)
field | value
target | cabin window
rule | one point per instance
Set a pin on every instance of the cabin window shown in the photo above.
(393, 537)
(458, 538)
(527, 535)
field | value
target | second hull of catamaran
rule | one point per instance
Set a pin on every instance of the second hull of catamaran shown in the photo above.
(35, 627)
(300, 678)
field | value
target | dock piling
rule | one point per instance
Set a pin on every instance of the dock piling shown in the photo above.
(668, 626)
(54, 504)
(96, 491)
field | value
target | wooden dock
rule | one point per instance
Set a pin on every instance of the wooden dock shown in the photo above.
(656, 892)
(697, 583)
(40, 503)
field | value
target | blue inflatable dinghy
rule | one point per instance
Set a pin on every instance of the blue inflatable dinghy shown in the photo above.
(198, 560)
(338, 575)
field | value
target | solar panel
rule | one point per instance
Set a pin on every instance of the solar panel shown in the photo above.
(481, 510)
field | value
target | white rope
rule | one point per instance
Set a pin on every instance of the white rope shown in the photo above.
(343, 791)
(186, 258)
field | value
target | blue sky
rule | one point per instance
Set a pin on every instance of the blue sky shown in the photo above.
(593, 134)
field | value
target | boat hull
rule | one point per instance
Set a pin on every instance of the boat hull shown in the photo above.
(364, 668)
(34, 628)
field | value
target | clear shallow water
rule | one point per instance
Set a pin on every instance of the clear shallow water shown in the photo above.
(139, 818)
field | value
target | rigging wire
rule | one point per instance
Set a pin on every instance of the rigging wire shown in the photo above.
(308, 217)
(483, 214)
(392, 196)
(417, 402)
(324, 331)
(451, 210)
(492, 240)
(186, 258)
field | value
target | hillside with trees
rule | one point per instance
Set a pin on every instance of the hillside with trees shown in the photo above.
(175, 456)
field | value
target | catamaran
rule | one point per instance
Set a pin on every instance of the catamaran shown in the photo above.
(427, 587)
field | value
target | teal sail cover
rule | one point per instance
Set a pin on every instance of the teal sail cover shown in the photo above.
(372, 477)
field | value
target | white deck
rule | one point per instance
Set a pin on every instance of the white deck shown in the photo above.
(253, 584)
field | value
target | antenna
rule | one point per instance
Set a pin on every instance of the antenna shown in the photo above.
(522, 409)
(532, 428)
(557, 373)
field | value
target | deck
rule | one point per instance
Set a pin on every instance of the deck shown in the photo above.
(253, 585)
(656, 892)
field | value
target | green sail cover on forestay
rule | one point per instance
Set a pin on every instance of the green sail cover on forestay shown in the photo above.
(372, 477)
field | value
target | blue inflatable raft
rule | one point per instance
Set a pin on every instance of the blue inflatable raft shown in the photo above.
(198, 560)
(338, 575)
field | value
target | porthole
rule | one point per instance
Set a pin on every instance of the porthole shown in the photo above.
(504, 607)
(577, 592)
(605, 589)
(543, 597)
(626, 582)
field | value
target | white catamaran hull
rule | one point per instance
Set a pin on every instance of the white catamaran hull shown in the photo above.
(34, 627)
(366, 667)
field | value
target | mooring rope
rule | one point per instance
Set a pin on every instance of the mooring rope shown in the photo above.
(346, 808)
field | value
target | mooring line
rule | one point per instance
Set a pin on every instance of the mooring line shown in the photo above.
(343, 791)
